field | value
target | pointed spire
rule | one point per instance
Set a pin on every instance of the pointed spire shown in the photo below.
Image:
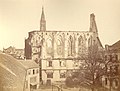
(93, 26)
(42, 21)
(42, 15)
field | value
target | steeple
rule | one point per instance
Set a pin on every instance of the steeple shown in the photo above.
(93, 26)
(42, 21)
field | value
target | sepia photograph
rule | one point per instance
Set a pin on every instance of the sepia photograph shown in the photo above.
(59, 45)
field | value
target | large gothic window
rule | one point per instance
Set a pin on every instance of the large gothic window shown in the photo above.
(80, 44)
(90, 41)
(70, 46)
(59, 47)
(49, 46)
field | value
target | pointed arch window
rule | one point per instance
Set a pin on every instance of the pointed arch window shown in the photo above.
(59, 47)
(80, 41)
(49, 46)
(80, 44)
(70, 46)
(90, 41)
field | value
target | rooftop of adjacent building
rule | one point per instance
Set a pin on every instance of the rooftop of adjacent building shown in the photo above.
(12, 74)
(29, 64)
(13, 48)
(114, 47)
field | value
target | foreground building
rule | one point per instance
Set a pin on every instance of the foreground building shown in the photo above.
(32, 74)
(12, 74)
(60, 52)
(18, 75)
(112, 57)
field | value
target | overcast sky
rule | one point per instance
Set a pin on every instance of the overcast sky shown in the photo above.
(18, 17)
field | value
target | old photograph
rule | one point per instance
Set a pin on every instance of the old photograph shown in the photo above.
(59, 45)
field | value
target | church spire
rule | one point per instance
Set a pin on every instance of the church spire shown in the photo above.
(42, 21)
(93, 26)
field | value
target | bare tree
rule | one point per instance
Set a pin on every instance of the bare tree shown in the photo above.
(92, 68)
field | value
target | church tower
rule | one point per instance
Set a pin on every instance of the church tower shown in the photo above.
(42, 21)
(94, 30)
(93, 26)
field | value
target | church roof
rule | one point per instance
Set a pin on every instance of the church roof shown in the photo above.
(12, 74)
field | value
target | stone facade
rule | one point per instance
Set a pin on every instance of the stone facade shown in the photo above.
(60, 51)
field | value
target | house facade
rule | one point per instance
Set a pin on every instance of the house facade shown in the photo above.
(32, 75)
(112, 57)
(60, 52)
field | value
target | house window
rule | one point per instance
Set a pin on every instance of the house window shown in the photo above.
(105, 81)
(37, 71)
(33, 79)
(36, 60)
(49, 63)
(62, 63)
(116, 57)
(76, 63)
(50, 75)
(62, 73)
(111, 69)
(110, 56)
(116, 70)
(26, 84)
(105, 57)
(33, 71)
(116, 83)
(29, 72)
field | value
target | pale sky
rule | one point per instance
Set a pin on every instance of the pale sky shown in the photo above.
(18, 17)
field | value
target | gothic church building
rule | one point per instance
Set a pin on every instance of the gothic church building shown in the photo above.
(60, 52)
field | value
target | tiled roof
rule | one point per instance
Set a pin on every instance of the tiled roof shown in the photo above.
(29, 64)
(12, 74)
(115, 46)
